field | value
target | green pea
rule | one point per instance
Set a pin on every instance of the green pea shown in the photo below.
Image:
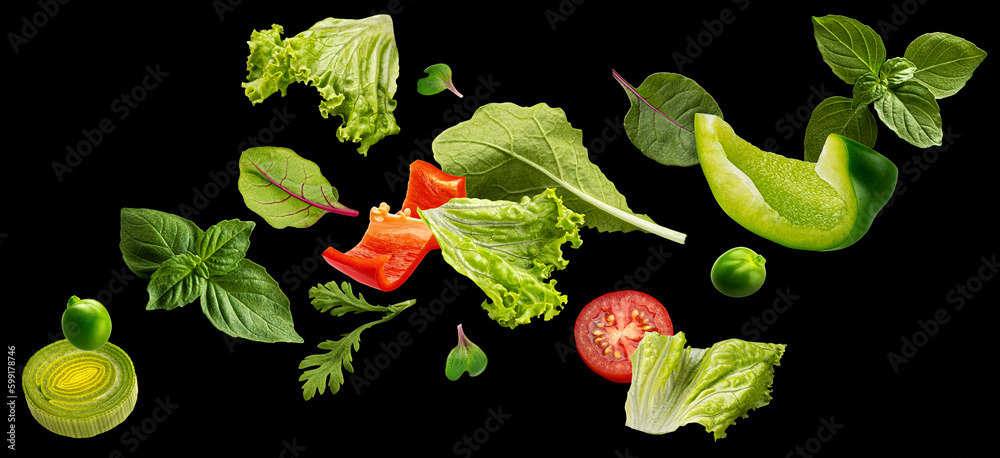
(86, 323)
(739, 272)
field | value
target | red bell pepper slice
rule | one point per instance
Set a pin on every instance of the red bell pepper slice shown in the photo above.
(394, 244)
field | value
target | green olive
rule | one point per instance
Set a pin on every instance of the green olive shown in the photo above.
(739, 272)
(86, 323)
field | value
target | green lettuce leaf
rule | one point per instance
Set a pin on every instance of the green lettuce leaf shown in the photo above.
(673, 385)
(506, 152)
(352, 63)
(509, 249)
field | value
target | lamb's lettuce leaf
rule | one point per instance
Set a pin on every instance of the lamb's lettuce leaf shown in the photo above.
(508, 151)
(509, 249)
(673, 385)
(353, 63)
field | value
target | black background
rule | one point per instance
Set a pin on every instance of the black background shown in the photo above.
(849, 309)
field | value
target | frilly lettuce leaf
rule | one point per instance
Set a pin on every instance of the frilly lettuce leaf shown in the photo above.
(353, 63)
(509, 249)
(673, 385)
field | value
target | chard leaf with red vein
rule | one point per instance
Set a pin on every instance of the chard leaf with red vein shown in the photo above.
(286, 189)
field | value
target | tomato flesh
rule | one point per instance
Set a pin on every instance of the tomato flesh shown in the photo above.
(610, 327)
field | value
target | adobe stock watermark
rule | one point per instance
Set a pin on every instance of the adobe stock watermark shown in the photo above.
(142, 430)
(911, 343)
(643, 273)
(828, 429)
(291, 448)
(563, 10)
(471, 443)
(458, 112)
(31, 26)
(792, 121)
(758, 324)
(918, 165)
(122, 108)
(295, 276)
(695, 45)
(374, 365)
(611, 131)
(219, 180)
(900, 15)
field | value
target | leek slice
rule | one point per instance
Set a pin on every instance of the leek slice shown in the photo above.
(78, 393)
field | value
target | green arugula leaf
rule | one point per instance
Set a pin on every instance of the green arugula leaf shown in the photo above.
(509, 249)
(177, 282)
(328, 367)
(896, 71)
(438, 79)
(149, 237)
(352, 63)
(223, 245)
(911, 111)
(247, 303)
(673, 386)
(465, 357)
(836, 115)
(944, 62)
(850, 48)
(867, 89)
(660, 121)
(286, 189)
(506, 151)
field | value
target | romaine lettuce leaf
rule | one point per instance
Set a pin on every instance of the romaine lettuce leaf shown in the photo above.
(673, 385)
(509, 249)
(353, 63)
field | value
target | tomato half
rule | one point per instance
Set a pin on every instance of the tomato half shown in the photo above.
(610, 327)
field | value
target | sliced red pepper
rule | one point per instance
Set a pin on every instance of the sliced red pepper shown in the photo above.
(394, 244)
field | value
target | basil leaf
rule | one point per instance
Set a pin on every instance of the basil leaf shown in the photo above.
(836, 115)
(897, 70)
(285, 189)
(944, 62)
(247, 303)
(149, 237)
(506, 151)
(223, 245)
(178, 282)
(660, 121)
(509, 249)
(867, 89)
(911, 111)
(850, 48)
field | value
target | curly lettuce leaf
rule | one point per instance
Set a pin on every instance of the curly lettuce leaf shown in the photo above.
(509, 249)
(353, 63)
(673, 385)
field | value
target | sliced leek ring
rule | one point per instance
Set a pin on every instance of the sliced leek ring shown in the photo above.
(78, 393)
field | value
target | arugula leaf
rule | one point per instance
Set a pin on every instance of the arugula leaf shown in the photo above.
(506, 151)
(509, 250)
(438, 79)
(177, 282)
(327, 367)
(223, 245)
(286, 189)
(837, 115)
(911, 111)
(660, 121)
(352, 63)
(247, 303)
(149, 237)
(944, 63)
(673, 385)
(850, 48)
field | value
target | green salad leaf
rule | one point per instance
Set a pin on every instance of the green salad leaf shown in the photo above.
(944, 62)
(838, 115)
(286, 189)
(438, 79)
(660, 121)
(911, 111)
(850, 48)
(506, 151)
(238, 296)
(509, 249)
(353, 63)
(327, 368)
(465, 357)
(673, 385)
